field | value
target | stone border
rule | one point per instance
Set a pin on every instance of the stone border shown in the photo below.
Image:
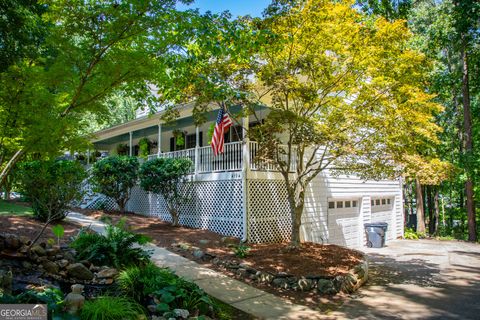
(347, 283)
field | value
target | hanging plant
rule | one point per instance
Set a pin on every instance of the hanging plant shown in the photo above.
(144, 146)
(179, 138)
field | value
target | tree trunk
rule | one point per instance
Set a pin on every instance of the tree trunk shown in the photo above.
(420, 211)
(437, 212)
(468, 145)
(296, 211)
(11, 163)
(431, 214)
(174, 214)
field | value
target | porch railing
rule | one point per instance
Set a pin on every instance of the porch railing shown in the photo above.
(230, 160)
(257, 164)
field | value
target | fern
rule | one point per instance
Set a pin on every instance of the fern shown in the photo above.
(111, 308)
(116, 248)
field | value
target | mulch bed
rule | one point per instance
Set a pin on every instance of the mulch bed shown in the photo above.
(311, 259)
(29, 227)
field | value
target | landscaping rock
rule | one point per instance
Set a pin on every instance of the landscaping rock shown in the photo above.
(325, 286)
(26, 265)
(107, 273)
(79, 271)
(38, 250)
(280, 283)
(229, 241)
(242, 272)
(69, 256)
(152, 308)
(305, 284)
(62, 263)
(11, 241)
(198, 254)
(346, 283)
(181, 313)
(50, 267)
(264, 277)
(203, 241)
(52, 251)
(86, 263)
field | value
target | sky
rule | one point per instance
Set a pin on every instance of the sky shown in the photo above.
(236, 7)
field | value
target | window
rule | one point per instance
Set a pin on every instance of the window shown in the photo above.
(339, 204)
(191, 140)
(388, 201)
(237, 133)
(372, 203)
(377, 202)
(347, 204)
(384, 201)
(354, 204)
(331, 205)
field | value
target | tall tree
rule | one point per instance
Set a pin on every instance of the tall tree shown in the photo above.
(90, 49)
(448, 32)
(346, 94)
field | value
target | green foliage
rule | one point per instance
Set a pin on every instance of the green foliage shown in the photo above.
(122, 149)
(51, 186)
(114, 177)
(144, 146)
(111, 308)
(171, 291)
(167, 177)
(411, 234)
(58, 231)
(241, 251)
(116, 248)
(138, 282)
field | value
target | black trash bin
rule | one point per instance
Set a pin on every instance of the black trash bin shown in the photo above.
(376, 234)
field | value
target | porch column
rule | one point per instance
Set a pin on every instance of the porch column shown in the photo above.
(130, 147)
(159, 142)
(245, 171)
(197, 148)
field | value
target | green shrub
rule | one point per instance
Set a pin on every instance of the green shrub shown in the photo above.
(107, 307)
(144, 146)
(411, 234)
(171, 291)
(241, 251)
(115, 176)
(51, 186)
(167, 177)
(116, 248)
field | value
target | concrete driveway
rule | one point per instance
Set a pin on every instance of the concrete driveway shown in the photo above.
(423, 279)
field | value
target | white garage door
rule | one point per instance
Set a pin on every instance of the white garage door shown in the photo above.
(382, 211)
(343, 222)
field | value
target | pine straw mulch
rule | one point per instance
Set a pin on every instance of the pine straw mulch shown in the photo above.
(311, 259)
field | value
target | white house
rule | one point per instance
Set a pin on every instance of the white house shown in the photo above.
(236, 195)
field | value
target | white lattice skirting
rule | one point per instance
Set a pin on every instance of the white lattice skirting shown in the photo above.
(214, 205)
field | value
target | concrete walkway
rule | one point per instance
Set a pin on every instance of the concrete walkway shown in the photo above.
(258, 303)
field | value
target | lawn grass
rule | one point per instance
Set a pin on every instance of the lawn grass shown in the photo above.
(8, 208)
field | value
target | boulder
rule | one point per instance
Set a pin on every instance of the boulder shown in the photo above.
(198, 254)
(280, 283)
(305, 284)
(107, 273)
(69, 256)
(50, 267)
(325, 286)
(181, 313)
(242, 272)
(62, 263)
(264, 277)
(38, 250)
(11, 241)
(79, 271)
(6, 281)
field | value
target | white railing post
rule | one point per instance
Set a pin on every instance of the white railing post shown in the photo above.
(159, 142)
(197, 146)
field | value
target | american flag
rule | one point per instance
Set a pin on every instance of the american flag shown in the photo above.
(223, 123)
